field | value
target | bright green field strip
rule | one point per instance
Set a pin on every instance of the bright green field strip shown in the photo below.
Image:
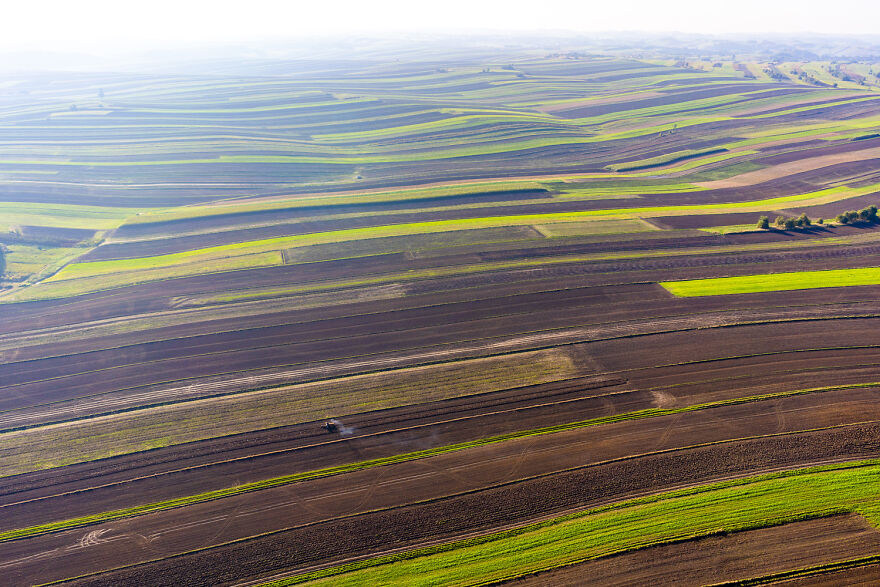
(360, 465)
(743, 504)
(774, 282)
(78, 270)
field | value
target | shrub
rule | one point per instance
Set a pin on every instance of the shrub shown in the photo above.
(763, 222)
(804, 220)
(842, 218)
(780, 220)
(820, 221)
(789, 223)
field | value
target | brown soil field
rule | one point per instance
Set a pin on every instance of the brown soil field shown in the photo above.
(36, 382)
(359, 534)
(711, 344)
(738, 556)
(305, 447)
(124, 481)
(543, 319)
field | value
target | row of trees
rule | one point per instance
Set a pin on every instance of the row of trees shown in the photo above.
(787, 223)
(2, 261)
(868, 214)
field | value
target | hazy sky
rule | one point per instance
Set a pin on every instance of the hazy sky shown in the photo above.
(50, 24)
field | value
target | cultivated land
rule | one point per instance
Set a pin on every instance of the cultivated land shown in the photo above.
(527, 290)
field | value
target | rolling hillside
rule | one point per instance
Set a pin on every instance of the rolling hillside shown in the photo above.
(500, 318)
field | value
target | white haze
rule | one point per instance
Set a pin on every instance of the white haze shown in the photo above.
(118, 26)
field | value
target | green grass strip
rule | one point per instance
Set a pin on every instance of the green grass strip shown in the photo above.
(696, 512)
(720, 286)
(400, 458)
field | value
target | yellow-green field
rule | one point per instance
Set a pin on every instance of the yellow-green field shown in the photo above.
(774, 282)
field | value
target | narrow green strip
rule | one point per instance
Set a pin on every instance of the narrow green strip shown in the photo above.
(774, 282)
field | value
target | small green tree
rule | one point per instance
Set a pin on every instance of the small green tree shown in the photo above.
(763, 222)
(820, 221)
(842, 218)
(2, 261)
(868, 214)
(852, 216)
(804, 220)
(789, 223)
(780, 220)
